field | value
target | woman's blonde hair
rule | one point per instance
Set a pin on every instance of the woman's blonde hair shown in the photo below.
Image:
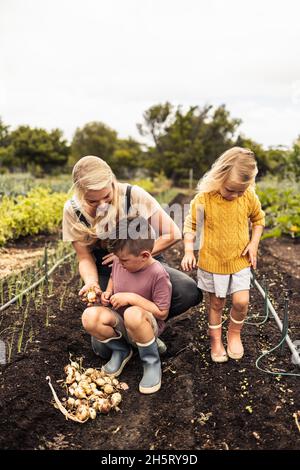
(237, 163)
(93, 173)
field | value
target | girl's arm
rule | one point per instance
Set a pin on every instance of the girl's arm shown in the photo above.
(189, 260)
(257, 231)
(252, 247)
(189, 240)
(257, 218)
(192, 223)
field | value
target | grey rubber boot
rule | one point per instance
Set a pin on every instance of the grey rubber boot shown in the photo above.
(121, 353)
(100, 349)
(151, 381)
(161, 346)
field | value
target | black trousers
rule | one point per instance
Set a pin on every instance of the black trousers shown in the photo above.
(185, 292)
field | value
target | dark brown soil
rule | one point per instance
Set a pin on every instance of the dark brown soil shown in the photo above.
(36, 241)
(201, 405)
(286, 252)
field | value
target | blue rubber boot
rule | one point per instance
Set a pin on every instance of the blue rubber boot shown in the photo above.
(100, 349)
(151, 381)
(121, 353)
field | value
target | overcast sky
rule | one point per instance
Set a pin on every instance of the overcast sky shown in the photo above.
(67, 62)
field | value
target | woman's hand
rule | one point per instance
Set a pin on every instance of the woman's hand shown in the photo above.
(105, 298)
(108, 259)
(120, 300)
(188, 262)
(94, 286)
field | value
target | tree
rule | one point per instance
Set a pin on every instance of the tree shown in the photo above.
(127, 157)
(38, 147)
(219, 133)
(6, 150)
(273, 160)
(95, 138)
(4, 134)
(294, 158)
(184, 140)
(156, 121)
(260, 153)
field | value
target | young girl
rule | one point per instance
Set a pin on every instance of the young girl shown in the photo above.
(219, 217)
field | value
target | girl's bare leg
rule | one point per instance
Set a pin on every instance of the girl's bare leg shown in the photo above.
(216, 305)
(240, 303)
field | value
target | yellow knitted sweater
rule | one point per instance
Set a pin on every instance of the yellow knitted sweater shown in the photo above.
(223, 229)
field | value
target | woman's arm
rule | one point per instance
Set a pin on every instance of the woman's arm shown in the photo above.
(86, 263)
(87, 268)
(168, 232)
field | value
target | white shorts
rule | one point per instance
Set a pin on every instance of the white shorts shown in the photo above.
(224, 284)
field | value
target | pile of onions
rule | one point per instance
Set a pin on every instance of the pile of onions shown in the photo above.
(90, 391)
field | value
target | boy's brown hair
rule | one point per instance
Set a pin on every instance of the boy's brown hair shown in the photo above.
(133, 233)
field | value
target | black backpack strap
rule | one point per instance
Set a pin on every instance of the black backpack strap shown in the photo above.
(128, 197)
(79, 214)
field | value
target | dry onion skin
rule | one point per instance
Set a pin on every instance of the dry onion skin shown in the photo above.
(90, 296)
(89, 392)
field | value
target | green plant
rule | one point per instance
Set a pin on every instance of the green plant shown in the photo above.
(281, 203)
(1, 291)
(47, 317)
(146, 183)
(10, 345)
(39, 211)
(21, 334)
(62, 298)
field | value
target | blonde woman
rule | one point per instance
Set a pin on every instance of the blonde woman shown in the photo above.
(219, 215)
(99, 202)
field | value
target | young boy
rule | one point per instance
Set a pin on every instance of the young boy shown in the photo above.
(135, 304)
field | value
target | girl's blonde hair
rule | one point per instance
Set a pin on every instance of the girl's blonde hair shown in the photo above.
(237, 163)
(93, 173)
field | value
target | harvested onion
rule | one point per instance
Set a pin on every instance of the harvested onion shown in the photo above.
(89, 391)
(116, 399)
(108, 389)
(90, 296)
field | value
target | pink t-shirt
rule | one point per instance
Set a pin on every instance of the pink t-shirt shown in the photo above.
(153, 283)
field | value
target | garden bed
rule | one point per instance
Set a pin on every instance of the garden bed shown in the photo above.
(201, 405)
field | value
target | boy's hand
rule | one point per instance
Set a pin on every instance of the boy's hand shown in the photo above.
(188, 262)
(105, 298)
(251, 250)
(120, 300)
